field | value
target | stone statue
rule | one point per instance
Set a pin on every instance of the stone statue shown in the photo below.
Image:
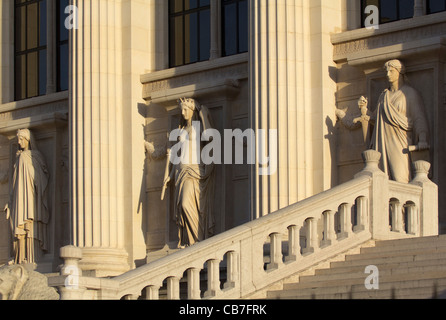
(194, 180)
(400, 124)
(20, 282)
(28, 208)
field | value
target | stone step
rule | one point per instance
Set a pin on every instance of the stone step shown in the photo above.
(428, 292)
(402, 242)
(358, 279)
(382, 266)
(356, 290)
(405, 247)
(347, 275)
(396, 253)
(389, 259)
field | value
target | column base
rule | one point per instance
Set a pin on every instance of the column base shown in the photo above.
(103, 262)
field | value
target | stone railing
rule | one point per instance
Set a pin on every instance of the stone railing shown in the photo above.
(260, 253)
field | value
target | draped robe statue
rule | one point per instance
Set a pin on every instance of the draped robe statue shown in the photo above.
(400, 123)
(28, 207)
(194, 180)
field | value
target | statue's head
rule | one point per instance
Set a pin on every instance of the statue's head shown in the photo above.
(189, 109)
(24, 138)
(395, 70)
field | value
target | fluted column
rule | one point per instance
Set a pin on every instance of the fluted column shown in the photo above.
(292, 92)
(95, 131)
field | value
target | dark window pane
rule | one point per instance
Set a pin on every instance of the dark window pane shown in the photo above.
(175, 6)
(189, 31)
(42, 23)
(20, 29)
(63, 32)
(176, 41)
(406, 9)
(20, 77)
(190, 4)
(191, 39)
(42, 72)
(388, 11)
(436, 6)
(205, 35)
(32, 25)
(243, 26)
(32, 74)
(63, 67)
(230, 29)
(205, 3)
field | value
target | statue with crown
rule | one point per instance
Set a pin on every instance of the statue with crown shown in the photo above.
(193, 179)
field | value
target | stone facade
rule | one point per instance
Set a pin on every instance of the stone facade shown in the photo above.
(306, 60)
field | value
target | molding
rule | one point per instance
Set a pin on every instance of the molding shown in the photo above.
(406, 37)
(32, 102)
(207, 78)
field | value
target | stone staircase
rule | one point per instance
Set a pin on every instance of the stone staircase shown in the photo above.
(412, 268)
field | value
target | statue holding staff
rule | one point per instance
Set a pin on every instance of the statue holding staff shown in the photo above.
(194, 180)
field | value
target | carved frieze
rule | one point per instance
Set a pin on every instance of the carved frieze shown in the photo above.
(363, 39)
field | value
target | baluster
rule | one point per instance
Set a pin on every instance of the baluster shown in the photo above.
(396, 214)
(412, 219)
(361, 214)
(232, 270)
(276, 251)
(293, 244)
(193, 284)
(311, 236)
(173, 288)
(152, 293)
(213, 278)
(329, 231)
(345, 220)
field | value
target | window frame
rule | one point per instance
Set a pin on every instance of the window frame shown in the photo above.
(223, 28)
(216, 46)
(363, 5)
(59, 43)
(52, 80)
(28, 51)
(183, 13)
(428, 9)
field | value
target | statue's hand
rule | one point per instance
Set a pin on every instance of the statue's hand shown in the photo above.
(423, 145)
(166, 181)
(422, 141)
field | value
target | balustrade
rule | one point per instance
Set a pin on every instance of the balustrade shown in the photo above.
(297, 237)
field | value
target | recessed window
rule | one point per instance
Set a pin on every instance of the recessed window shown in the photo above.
(30, 48)
(235, 26)
(389, 10)
(189, 31)
(62, 46)
(434, 6)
